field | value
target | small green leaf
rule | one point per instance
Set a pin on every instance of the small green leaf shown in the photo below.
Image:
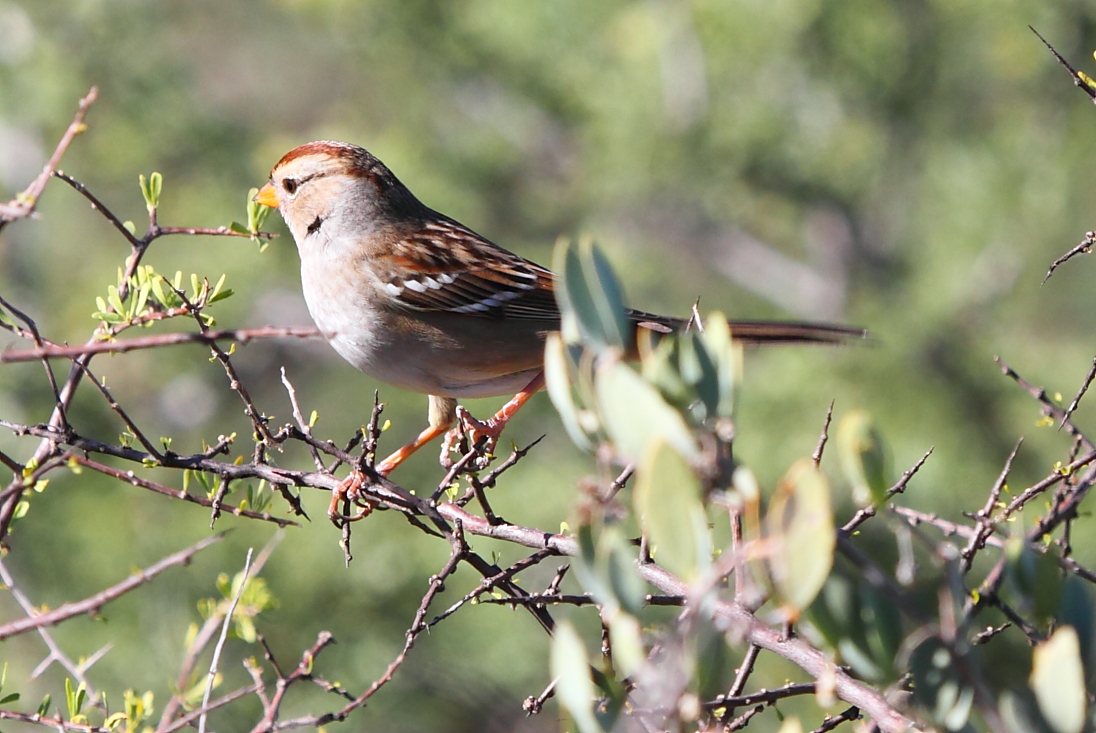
(238, 227)
(626, 639)
(220, 284)
(245, 629)
(1058, 680)
(882, 626)
(668, 502)
(156, 183)
(256, 212)
(43, 709)
(800, 524)
(114, 300)
(9, 698)
(150, 189)
(836, 612)
(1035, 577)
(586, 567)
(575, 687)
(557, 378)
(863, 458)
(142, 299)
(162, 296)
(75, 698)
(617, 560)
(727, 357)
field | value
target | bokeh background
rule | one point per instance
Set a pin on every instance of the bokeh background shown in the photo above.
(911, 166)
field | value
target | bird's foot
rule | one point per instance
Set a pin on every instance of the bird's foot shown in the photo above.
(349, 492)
(483, 436)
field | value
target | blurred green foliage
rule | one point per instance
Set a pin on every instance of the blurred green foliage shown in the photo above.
(912, 167)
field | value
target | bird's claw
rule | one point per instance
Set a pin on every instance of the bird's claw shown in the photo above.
(349, 491)
(481, 435)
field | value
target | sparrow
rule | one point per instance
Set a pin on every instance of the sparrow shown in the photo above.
(420, 301)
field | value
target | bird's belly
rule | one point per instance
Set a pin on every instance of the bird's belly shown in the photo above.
(417, 353)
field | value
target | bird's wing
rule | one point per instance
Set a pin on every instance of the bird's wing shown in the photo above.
(458, 271)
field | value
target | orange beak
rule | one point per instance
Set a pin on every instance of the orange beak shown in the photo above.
(267, 196)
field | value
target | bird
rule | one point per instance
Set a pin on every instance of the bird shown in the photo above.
(420, 301)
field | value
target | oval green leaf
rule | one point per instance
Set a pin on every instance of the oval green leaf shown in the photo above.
(571, 669)
(863, 457)
(635, 415)
(1058, 680)
(800, 526)
(668, 502)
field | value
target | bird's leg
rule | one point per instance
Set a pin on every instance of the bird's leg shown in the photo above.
(442, 412)
(492, 428)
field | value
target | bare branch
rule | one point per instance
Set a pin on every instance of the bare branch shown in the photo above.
(825, 436)
(215, 662)
(92, 604)
(24, 204)
(121, 346)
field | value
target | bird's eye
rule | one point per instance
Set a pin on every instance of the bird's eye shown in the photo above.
(290, 185)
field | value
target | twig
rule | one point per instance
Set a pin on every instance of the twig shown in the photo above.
(583, 599)
(220, 702)
(205, 635)
(1078, 79)
(985, 525)
(121, 346)
(459, 551)
(303, 671)
(1049, 408)
(117, 409)
(130, 478)
(533, 705)
(744, 671)
(57, 722)
(491, 582)
(258, 420)
(1085, 247)
(221, 642)
(765, 697)
(618, 483)
(825, 436)
(304, 427)
(92, 604)
(36, 337)
(24, 204)
(829, 724)
(991, 631)
(56, 654)
(1054, 478)
(865, 513)
(743, 720)
(1080, 393)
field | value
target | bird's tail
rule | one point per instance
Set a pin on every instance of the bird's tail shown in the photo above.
(761, 333)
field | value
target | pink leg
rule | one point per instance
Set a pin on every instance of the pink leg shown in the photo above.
(492, 429)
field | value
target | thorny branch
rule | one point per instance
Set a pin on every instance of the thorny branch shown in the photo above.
(92, 604)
